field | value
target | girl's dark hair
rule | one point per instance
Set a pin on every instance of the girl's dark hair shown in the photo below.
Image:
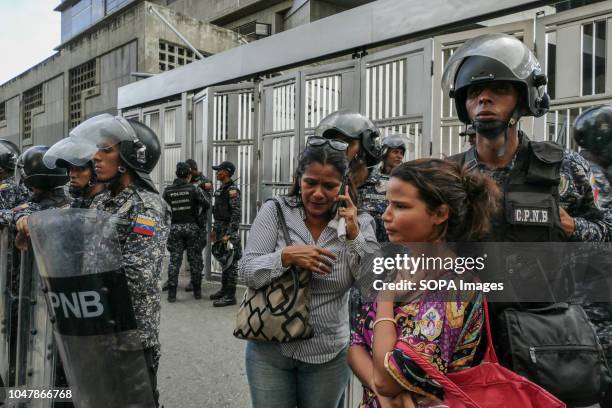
(322, 155)
(472, 198)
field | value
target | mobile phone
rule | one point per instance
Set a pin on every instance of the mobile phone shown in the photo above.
(339, 203)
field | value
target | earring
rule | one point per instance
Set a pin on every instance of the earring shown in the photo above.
(121, 169)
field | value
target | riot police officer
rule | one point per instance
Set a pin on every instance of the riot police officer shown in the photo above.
(124, 154)
(227, 213)
(11, 192)
(372, 194)
(83, 185)
(492, 94)
(495, 80)
(46, 185)
(593, 133)
(189, 205)
(362, 137)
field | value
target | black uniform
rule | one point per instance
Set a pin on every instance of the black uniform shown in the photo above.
(189, 205)
(227, 213)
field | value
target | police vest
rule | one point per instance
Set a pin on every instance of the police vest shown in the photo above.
(530, 203)
(222, 209)
(183, 201)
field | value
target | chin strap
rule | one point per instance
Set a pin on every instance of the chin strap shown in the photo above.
(493, 130)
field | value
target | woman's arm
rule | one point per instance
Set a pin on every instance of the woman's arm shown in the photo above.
(385, 337)
(261, 262)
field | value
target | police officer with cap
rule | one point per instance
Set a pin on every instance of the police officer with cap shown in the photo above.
(495, 80)
(189, 205)
(11, 192)
(83, 185)
(125, 152)
(227, 213)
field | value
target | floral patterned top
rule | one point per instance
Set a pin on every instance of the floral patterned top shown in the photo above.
(446, 333)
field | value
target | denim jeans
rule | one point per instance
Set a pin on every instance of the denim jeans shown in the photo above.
(276, 381)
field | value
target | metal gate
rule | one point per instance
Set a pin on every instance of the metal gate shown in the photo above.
(228, 133)
(445, 132)
(396, 93)
(573, 47)
(169, 123)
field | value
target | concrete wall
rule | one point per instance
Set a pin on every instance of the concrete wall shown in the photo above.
(122, 45)
(211, 10)
(205, 37)
(12, 129)
(273, 15)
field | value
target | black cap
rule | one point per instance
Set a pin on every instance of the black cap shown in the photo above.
(225, 165)
(182, 169)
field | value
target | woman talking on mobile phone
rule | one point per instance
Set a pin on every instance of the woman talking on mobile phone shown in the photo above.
(431, 202)
(308, 373)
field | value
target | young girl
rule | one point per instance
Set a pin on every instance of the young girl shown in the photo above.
(430, 201)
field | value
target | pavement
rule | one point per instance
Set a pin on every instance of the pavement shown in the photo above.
(202, 363)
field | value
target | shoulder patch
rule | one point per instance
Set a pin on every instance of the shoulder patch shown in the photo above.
(144, 226)
(595, 187)
(563, 184)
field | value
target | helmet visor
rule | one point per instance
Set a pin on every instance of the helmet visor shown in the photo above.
(71, 151)
(506, 49)
(102, 131)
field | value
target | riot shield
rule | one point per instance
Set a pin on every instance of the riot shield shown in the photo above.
(79, 260)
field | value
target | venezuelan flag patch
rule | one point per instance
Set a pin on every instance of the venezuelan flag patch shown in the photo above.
(144, 226)
(21, 207)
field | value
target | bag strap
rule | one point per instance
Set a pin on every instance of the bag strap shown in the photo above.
(294, 271)
(442, 379)
(282, 222)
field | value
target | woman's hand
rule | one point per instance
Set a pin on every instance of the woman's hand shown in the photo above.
(310, 257)
(349, 213)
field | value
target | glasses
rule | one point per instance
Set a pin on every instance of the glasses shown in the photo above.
(318, 141)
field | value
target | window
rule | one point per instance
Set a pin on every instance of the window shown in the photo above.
(551, 60)
(82, 78)
(593, 58)
(32, 99)
(172, 56)
(2, 111)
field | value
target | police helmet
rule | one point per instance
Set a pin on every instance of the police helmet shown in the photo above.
(32, 170)
(139, 147)
(393, 141)
(182, 169)
(9, 152)
(593, 130)
(353, 125)
(223, 252)
(492, 58)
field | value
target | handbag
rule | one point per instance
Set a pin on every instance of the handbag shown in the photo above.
(556, 347)
(487, 385)
(280, 311)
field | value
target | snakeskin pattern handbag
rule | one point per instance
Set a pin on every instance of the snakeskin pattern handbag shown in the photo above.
(280, 311)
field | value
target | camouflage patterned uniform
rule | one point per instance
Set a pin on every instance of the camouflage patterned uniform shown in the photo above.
(12, 193)
(187, 236)
(575, 196)
(227, 213)
(373, 199)
(601, 313)
(142, 237)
